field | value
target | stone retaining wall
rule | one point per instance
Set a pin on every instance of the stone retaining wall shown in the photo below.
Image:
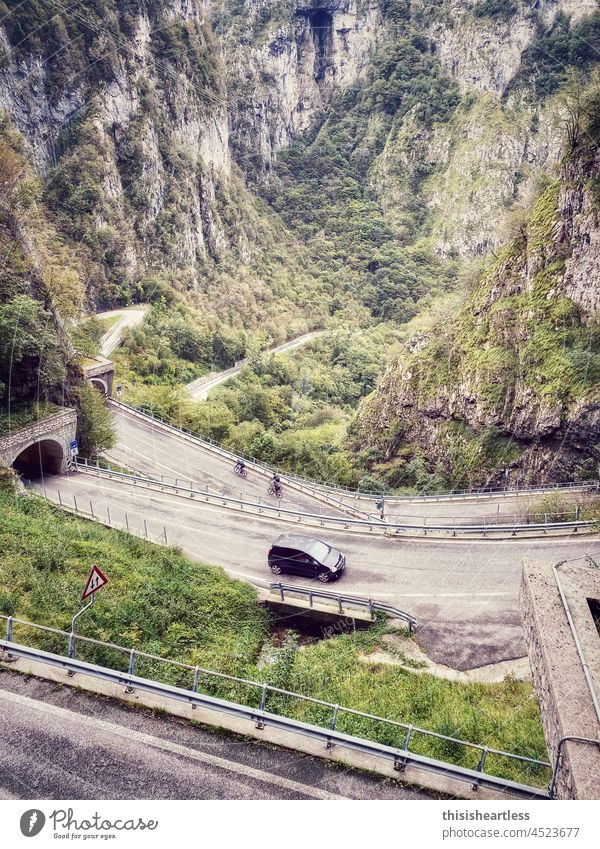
(59, 429)
(561, 688)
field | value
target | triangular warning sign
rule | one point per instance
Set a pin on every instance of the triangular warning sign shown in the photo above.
(96, 579)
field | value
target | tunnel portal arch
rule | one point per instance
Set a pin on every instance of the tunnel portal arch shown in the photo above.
(41, 457)
(99, 384)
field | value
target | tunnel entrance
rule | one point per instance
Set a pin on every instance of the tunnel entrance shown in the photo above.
(40, 459)
(321, 23)
(100, 385)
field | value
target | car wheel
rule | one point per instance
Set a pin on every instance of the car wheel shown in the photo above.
(324, 577)
(276, 570)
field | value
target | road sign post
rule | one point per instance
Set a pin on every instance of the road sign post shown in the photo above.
(95, 581)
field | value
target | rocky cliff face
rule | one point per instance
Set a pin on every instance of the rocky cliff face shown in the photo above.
(148, 119)
(511, 381)
(483, 50)
(127, 120)
(284, 63)
(491, 155)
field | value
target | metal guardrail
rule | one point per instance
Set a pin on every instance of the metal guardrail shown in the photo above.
(356, 494)
(323, 486)
(400, 756)
(353, 601)
(263, 468)
(369, 524)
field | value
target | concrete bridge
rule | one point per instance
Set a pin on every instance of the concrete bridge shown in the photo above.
(41, 447)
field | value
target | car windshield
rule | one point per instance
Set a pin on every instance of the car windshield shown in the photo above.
(319, 550)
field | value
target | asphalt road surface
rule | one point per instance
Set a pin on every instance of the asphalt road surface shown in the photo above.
(199, 389)
(127, 318)
(143, 446)
(60, 743)
(146, 447)
(463, 592)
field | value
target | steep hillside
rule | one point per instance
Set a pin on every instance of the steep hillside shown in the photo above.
(255, 168)
(41, 284)
(123, 108)
(508, 388)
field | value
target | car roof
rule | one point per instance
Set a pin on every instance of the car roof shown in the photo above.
(299, 541)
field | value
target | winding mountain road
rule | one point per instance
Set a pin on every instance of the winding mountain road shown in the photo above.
(464, 593)
(200, 388)
(127, 318)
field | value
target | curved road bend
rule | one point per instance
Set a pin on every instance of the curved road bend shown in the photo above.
(129, 317)
(199, 389)
(60, 743)
(464, 593)
(146, 447)
(143, 446)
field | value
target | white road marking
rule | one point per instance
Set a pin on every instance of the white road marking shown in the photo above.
(111, 730)
(523, 542)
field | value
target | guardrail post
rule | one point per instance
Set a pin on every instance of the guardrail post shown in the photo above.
(340, 608)
(371, 611)
(400, 762)
(281, 593)
(71, 647)
(332, 722)
(75, 502)
(263, 701)
(108, 513)
(9, 629)
(195, 684)
(131, 670)
(310, 598)
(480, 766)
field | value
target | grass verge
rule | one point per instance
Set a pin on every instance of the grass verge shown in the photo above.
(161, 602)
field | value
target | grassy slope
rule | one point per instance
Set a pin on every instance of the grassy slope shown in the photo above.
(161, 602)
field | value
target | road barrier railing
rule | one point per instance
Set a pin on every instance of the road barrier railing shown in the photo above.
(267, 710)
(370, 525)
(344, 601)
(335, 499)
(338, 492)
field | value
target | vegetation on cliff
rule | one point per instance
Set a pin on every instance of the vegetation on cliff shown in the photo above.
(504, 384)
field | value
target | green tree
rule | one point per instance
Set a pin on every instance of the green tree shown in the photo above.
(31, 360)
(94, 424)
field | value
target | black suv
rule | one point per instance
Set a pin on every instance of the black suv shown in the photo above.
(307, 556)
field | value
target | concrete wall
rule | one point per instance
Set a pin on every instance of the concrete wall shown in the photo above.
(561, 688)
(58, 430)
